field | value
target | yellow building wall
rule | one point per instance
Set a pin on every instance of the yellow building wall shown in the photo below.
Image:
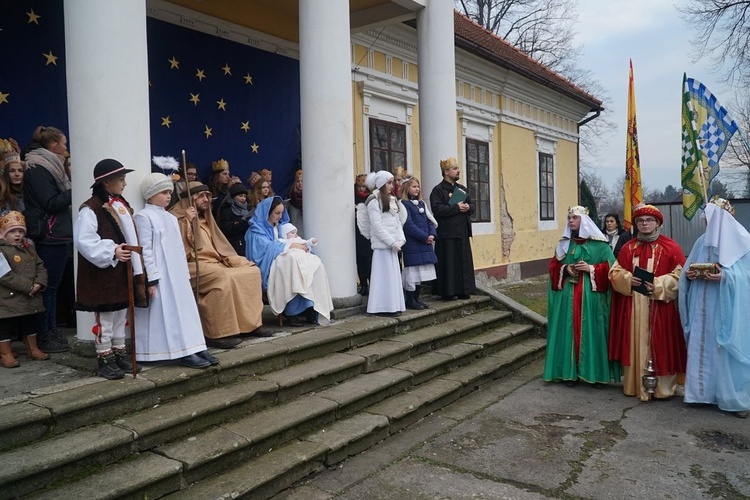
(514, 163)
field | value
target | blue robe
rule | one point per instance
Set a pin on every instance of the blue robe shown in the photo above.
(715, 317)
(262, 246)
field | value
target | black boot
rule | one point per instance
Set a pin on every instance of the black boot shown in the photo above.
(311, 317)
(364, 290)
(410, 303)
(123, 361)
(416, 297)
(108, 367)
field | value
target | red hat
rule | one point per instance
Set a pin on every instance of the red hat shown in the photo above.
(648, 210)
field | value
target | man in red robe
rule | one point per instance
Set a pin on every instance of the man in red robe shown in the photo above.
(647, 325)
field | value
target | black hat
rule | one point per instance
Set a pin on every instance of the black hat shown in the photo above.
(237, 189)
(107, 169)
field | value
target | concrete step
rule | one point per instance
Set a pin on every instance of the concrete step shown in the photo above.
(211, 431)
(275, 471)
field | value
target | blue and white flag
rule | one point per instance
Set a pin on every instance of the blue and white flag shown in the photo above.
(714, 127)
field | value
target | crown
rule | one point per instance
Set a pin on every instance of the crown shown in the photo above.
(6, 146)
(266, 174)
(578, 210)
(448, 163)
(220, 165)
(722, 203)
(10, 220)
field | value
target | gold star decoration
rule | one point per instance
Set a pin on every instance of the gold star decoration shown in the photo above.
(174, 63)
(222, 104)
(51, 58)
(33, 17)
(165, 121)
(245, 126)
(208, 132)
(4, 98)
(227, 69)
(200, 74)
(254, 147)
(248, 79)
(194, 98)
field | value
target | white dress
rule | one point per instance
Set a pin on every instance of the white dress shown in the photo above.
(386, 295)
(170, 328)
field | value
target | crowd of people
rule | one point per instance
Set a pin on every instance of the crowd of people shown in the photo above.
(614, 316)
(205, 257)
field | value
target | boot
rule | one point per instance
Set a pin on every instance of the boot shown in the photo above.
(108, 366)
(6, 355)
(311, 317)
(416, 297)
(122, 359)
(410, 303)
(32, 350)
(53, 341)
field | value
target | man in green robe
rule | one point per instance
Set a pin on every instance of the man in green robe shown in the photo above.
(578, 300)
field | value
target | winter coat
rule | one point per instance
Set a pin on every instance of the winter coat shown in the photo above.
(417, 229)
(47, 207)
(234, 227)
(26, 268)
(385, 228)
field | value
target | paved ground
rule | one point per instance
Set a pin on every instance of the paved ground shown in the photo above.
(523, 438)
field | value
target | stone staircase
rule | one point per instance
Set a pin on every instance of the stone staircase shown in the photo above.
(270, 414)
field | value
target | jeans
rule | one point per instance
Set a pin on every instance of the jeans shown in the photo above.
(55, 258)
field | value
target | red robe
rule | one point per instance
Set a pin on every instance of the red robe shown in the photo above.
(667, 339)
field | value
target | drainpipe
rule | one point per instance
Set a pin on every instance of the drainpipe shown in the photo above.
(597, 113)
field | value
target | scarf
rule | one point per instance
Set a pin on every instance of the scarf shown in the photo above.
(612, 237)
(295, 198)
(240, 210)
(54, 164)
(648, 238)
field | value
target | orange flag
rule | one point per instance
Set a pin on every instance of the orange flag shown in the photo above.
(633, 187)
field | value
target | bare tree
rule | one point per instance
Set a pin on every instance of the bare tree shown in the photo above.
(543, 29)
(723, 28)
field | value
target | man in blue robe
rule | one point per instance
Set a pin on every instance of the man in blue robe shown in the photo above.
(715, 314)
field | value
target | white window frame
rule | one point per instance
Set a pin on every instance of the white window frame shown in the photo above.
(547, 144)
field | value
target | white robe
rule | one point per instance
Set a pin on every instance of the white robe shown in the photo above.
(170, 328)
(295, 272)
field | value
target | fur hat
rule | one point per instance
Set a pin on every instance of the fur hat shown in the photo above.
(648, 210)
(287, 228)
(219, 165)
(108, 169)
(236, 189)
(12, 220)
(155, 183)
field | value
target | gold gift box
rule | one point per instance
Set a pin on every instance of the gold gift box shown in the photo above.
(703, 268)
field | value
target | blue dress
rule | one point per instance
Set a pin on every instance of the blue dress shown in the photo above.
(262, 247)
(714, 318)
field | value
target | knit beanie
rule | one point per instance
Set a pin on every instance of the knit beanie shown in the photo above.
(155, 183)
(236, 189)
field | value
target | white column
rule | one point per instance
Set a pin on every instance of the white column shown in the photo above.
(327, 135)
(108, 114)
(437, 89)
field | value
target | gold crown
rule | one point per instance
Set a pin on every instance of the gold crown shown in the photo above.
(266, 174)
(10, 220)
(6, 146)
(722, 203)
(220, 165)
(578, 210)
(448, 163)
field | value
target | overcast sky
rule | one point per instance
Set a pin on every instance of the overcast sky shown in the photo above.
(651, 33)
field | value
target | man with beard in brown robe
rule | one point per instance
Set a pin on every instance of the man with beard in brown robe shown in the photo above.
(229, 285)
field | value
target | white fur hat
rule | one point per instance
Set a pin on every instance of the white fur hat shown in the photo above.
(155, 183)
(287, 228)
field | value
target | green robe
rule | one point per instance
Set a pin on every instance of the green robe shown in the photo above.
(584, 356)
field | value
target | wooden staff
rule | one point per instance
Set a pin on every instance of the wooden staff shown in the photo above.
(131, 303)
(193, 225)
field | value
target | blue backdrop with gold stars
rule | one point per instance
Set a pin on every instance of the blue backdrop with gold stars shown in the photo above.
(213, 97)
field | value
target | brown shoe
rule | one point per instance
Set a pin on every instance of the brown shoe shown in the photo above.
(261, 331)
(6, 355)
(224, 342)
(32, 350)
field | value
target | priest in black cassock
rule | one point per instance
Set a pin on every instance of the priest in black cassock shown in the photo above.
(455, 266)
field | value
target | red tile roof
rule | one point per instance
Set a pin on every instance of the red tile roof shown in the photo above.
(477, 40)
